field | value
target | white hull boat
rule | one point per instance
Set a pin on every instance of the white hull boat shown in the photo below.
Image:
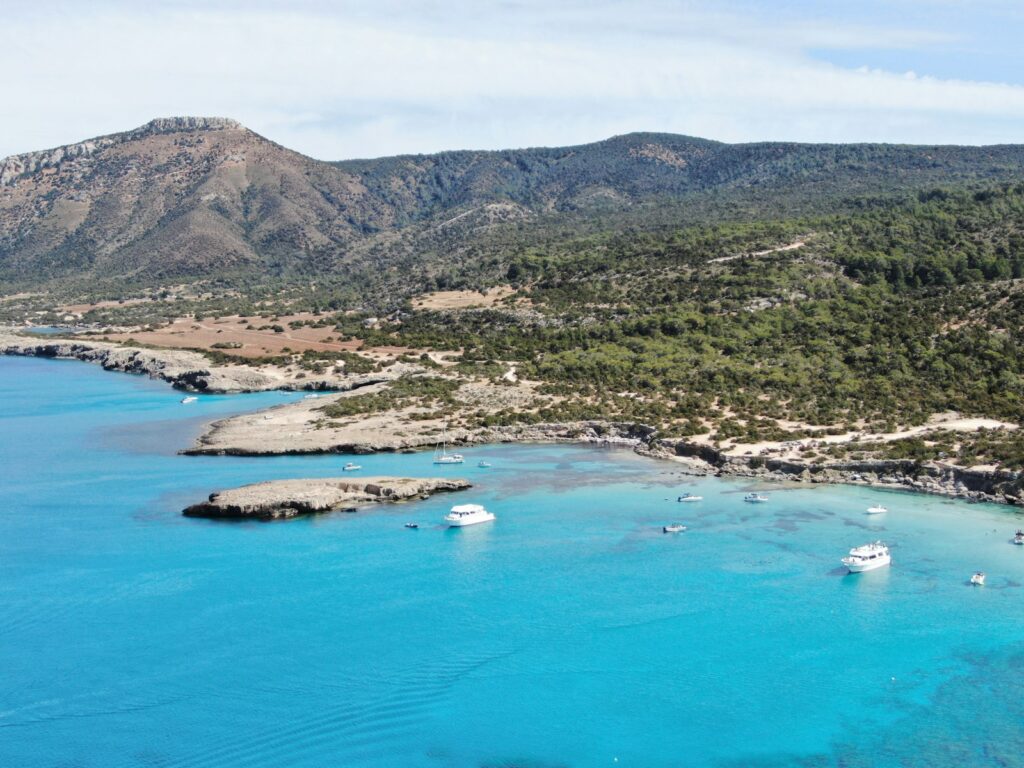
(675, 528)
(878, 509)
(755, 498)
(189, 399)
(462, 515)
(689, 498)
(1018, 538)
(867, 558)
(350, 467)
(441, 455)
(978, 579)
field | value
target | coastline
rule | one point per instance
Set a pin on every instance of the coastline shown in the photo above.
(260, 434)
(183, 369)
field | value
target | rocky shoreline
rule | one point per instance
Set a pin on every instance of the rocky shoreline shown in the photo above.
(290, 429)
(998, 486)
(188, 371)
(283, 499)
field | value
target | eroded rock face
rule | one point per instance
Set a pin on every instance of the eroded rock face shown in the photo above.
(280, 499)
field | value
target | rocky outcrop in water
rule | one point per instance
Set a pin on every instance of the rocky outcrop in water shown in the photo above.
(280, 499)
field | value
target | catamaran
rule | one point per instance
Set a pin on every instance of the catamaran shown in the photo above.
(441, 455)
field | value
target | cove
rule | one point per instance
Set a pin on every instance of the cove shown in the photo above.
(569, 632)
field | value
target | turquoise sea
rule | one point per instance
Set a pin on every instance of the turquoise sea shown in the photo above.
(570, 632)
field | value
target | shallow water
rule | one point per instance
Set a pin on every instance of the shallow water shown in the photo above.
(570, 632)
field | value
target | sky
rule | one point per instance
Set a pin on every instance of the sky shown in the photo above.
(352, 78)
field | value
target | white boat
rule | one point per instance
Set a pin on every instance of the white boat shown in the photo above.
(310, 397)
(467, 514)
(1018, 537)
(350, 467)
(441, 455)
(867, 557)
(686, 497)
(674, 528)
(483, 464)
(755, 498)
(189, 399)
(878, 509)
(978, 579)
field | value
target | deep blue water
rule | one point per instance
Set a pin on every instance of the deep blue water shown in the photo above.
(570, 632)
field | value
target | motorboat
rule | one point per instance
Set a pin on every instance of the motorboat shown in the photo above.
(867, 557)
(1018, 537)
(687, 497)
(350, 467)
(310, 397)
(755, 498)
(483, 464)
(674, 528)
(188, 399)
(878, 509)
(441, 455)
(978, 579)
(412, 525)
(467, 514)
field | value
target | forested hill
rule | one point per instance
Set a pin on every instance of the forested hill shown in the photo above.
(194, 198)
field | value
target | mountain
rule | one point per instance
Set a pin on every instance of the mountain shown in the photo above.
(187, 197)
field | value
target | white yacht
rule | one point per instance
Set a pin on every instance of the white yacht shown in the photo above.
(755, 498)
(188, 399)
(467, 514)
(350, 467)
(878, 509)
(1018, 537)
(674, 528)
(867, 558)
(689, 497)
(978, 579)
(441, 455)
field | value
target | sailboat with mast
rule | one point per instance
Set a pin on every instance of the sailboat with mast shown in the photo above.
(441, 455)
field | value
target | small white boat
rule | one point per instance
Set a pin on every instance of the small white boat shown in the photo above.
(878, 509)
(412, 525)
(189, 399)
(1018, 537)
(467, 514)
(688, 497)
(867, 557)
(310, 397)
(483, 464)
(674, 528)
(441, 455)
(350, 467)
(978, 579)
(755, 498)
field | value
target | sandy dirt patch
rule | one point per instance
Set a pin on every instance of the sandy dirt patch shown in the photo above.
(245, 337)
(463, 299)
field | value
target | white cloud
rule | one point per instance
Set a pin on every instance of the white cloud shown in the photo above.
(353, 83)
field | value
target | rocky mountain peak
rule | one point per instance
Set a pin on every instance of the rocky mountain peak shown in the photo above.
(16, 166)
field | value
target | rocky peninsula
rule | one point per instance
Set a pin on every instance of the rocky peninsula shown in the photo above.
(182, 369)
(282, 499)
